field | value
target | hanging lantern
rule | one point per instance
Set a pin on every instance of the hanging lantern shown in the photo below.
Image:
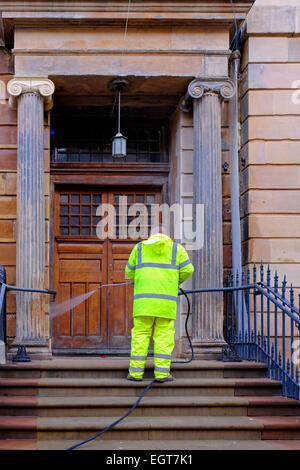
(119, 146)
(119, 141)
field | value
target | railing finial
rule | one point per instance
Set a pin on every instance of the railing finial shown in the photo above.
(292, 295)
(261, 271)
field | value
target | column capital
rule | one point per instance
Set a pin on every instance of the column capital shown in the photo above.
(42, 85)
(222, 86)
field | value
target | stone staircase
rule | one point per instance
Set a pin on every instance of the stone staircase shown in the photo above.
(210, 405)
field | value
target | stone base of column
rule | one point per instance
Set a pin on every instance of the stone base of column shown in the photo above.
(202, 350)
(37, 351)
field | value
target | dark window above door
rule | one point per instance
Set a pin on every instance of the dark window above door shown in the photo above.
(77, 212)
(84, 136)
(77, 216)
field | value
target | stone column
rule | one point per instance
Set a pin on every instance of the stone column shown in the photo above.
(30, 96)
(207, 316)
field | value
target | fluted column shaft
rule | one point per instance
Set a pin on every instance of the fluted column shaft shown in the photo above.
(207, 319)
(30, 327)
(208, 261)
(28, 97)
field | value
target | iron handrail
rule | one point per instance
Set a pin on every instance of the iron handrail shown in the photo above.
(249, 335)
(275, 302)
(285, 301)
(248, 339)
(271, 337)
(244, 287)
(6, 287)
(27, 289)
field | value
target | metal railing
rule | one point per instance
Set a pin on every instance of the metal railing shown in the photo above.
(3, 290)
(263, 325)
(270, 329)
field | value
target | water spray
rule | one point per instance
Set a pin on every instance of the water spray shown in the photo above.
(182, 292)
(63, 307)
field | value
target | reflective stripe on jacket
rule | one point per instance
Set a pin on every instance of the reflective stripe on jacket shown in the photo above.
(157, 266)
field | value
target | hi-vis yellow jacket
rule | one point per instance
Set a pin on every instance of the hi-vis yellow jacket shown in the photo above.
(157, 266)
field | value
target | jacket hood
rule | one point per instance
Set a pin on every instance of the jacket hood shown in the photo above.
(158, 242)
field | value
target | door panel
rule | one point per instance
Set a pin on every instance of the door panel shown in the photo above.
(83, 325)
(120, 297)
(103, 320)
(80, 267)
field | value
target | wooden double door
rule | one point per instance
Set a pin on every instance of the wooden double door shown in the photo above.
(84, 318)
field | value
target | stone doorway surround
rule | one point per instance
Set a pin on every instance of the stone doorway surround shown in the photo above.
(163, 58)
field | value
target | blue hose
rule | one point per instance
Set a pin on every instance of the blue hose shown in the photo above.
(115, 422)
(148, 386)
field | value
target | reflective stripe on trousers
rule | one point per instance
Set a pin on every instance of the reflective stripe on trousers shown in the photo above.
(163, 338)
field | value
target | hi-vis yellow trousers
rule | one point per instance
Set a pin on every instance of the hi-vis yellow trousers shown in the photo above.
(163, 338)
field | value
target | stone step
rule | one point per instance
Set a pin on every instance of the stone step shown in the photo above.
(85, 406)
(188, 445)
(122, 387)
(150, 445)
(153, 428)
(19, 444)
(118, 368)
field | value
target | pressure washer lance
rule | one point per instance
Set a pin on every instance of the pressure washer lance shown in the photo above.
(152, 382)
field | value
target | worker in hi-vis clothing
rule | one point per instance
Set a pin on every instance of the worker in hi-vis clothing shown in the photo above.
(157, 266)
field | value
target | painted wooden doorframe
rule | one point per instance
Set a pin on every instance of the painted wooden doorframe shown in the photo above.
(113, 345)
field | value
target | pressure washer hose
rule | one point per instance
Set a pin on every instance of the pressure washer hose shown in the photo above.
(186, 329)
(151, 383)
